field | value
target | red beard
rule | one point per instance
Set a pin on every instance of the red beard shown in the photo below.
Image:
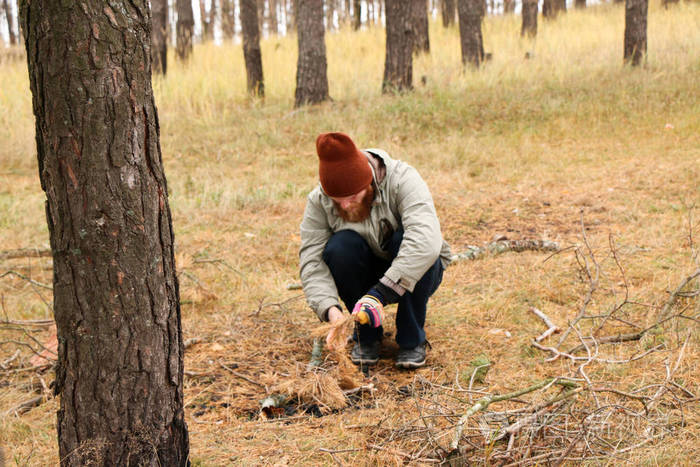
(357, 212)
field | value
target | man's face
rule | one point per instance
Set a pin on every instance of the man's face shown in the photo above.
(355, 208)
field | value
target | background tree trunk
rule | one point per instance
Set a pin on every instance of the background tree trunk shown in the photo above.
(251, 47)
(357, 14)
(448, 8)
(10, 22)
(666, 3)
(116, 298)
(421, 41)
(471, 13)
(329, 7)
(184, 29)
(261, 15)
(635, 31)
(548, 9)
(312, 80)
(560, 6)
(580, 4)
(159, 46)
(272, 25)
(529, 27)
(398, 65)
(206, 25)
(228, 19)
(509, 6)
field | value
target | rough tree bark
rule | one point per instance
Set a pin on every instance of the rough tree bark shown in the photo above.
(184, 29)
(421, 41)
(159, 46)
(635, 43)
(398, 64)
(529, 27)
(10, 22)
(312, 80)
(471, 13)
(251, 47)
(448, 8)
(116, 299)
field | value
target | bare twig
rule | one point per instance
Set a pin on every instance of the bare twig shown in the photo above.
(25, 406)
(239, 375)
(28, 279)
(551, 327)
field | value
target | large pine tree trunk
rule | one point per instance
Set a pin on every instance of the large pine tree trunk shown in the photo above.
(184, 29)
(10, 22)
(251, 47)
(471, 13)
(312, 80)
(635, 31)
(448, 8)
(421, 40)
(529, 27)
(116, 299)
(398, 65)
(159, 46)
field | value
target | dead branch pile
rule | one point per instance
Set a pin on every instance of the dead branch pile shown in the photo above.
(581, 412)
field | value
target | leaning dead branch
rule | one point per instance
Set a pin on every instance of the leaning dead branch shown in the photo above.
(503, 246)
(26, 278)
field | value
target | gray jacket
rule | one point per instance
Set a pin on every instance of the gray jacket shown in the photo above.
(403, 200)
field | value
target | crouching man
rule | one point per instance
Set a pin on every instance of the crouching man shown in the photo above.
(370, 235)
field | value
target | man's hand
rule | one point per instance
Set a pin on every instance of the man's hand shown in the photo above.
(369, 310)
(334, 314)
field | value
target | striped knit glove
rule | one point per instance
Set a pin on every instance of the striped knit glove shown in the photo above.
(369, 310)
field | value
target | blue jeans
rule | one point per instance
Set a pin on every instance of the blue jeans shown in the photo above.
(356, 269)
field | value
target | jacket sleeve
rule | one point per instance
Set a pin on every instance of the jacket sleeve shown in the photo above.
(316, 279)
(422, 239)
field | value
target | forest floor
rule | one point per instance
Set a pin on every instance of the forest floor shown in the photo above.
(567, 146)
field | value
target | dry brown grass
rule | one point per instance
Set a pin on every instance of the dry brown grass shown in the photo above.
(522, 148)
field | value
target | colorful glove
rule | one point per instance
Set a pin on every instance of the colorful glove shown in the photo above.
(369, 310)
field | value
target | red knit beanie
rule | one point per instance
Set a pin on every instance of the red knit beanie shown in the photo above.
(343, 169)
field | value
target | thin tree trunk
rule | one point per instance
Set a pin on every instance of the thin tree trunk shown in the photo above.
(357, 14)
(471, 13)
(159, 47)
(529, 27)
(448, 12)
(549, 11)
(312, 80)
(228, 19)
(328, 6)
(666, 3)
(560, 6)
(115, 288)
(580, 4)
(509, 6)
(10, 22)
(204, 18)
(251, 47)
(261, 15)
(398, 65)
(635, 44)
(273, 25)
(421, 40)
(212, 20)
(184, 29)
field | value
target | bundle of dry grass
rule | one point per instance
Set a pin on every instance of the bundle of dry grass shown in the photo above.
(328, 382)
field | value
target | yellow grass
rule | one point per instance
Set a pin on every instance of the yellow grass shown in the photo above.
(524, 148)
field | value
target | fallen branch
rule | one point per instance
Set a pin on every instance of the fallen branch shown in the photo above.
(503, 246)
(551, 327)
(609, 340)
(25, 406)
(239, 375)
(484, 402)
(192, 341)
(676, 293)
(25, 253)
